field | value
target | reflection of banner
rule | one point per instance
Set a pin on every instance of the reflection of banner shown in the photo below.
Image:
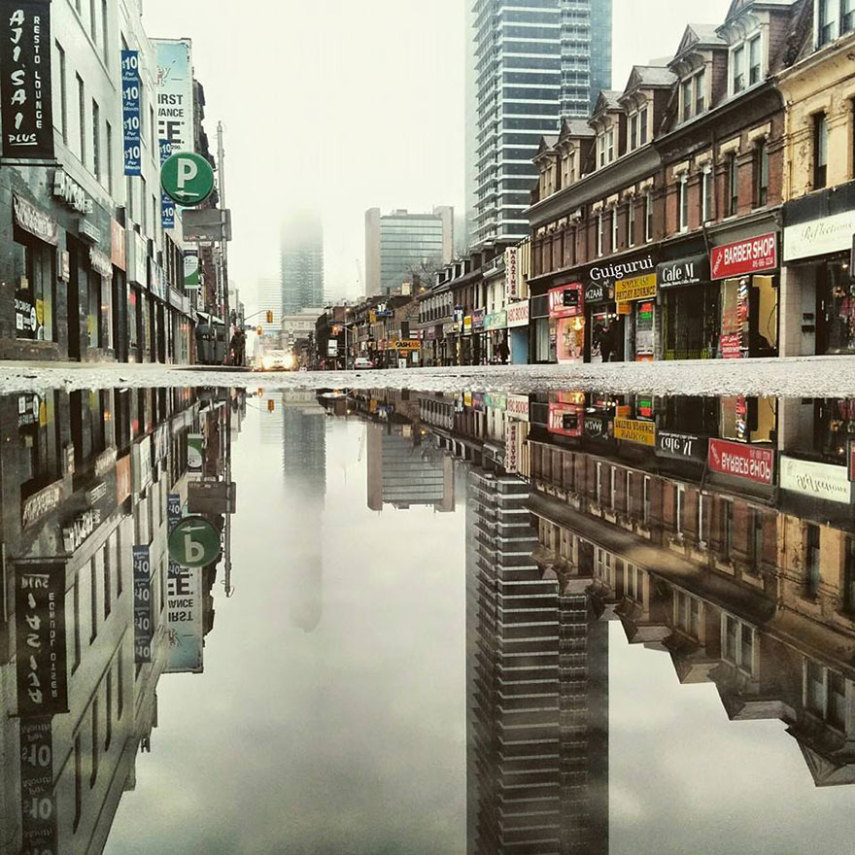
(184, 618)
(38, 797)
(633, 430)
(25, 54)
(191, 269)
(173, 510)
(742, 461)
(566, 419)
(143, 629)
(131, 120)
(40, 634)
(512, 436)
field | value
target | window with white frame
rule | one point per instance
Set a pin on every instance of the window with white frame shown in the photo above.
(738, 644)
(600, 233)
(610, 144)
(824, 694)
(755, 65)
(737, 66)
(686, 99)
(630, 221)
(642, 127)
(648, 215)
(684, 202)
(613, 487)
(847, 16)
(706, 194)
(633, 130)
(700, 91)
(826, 22)
(647, 503)
(599, 484)
(703, 519)
(687, 614)
(614, 228)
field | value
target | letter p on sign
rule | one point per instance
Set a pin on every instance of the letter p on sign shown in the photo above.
(187, 178)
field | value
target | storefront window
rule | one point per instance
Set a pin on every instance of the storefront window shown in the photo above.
(93, 318)
(691, 322)
(33, 269)
(836, 297)
(133, 317)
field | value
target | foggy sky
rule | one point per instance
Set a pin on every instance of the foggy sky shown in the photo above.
(345, 106)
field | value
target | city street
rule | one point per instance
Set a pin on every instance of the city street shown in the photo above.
(796, 377)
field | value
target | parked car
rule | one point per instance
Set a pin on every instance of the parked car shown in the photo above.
(363, 362)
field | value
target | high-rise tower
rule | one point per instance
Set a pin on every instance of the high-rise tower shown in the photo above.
(529, 66)
(302, 263)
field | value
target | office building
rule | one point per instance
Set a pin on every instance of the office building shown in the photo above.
(302, 261)
(529, 66)
(401, 245)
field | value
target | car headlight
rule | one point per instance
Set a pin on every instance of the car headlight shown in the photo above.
(288, 361)
(267, 363)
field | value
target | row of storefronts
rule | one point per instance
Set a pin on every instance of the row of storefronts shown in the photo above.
(83, 287)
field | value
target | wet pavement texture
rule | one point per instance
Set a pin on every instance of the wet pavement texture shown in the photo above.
(374, 621)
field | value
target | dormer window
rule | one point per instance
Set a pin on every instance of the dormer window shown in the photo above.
(833, 19)
(754, 60)
(642, 122)
(693, 95)
(633, 132)
(738, 69)
(606, 148)
(826, 22)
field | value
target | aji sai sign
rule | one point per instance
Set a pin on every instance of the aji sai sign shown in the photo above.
(820, 480)
(25, 90)
(744, 257)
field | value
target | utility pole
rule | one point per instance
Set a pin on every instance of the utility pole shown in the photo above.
(224, 252)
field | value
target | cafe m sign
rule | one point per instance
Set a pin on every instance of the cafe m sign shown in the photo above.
(25, 88)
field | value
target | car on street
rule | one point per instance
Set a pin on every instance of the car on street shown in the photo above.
(275, 360)
(363, 362)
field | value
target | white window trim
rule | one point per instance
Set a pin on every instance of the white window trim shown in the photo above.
(648, 206)
(614, 228)
(599, 234)
(684, 202)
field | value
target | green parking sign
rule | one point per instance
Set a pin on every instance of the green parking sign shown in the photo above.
(194, 542)
(187, 178)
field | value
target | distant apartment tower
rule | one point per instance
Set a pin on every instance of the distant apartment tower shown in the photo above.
(302, 263)
(528, 65)
(400, 244)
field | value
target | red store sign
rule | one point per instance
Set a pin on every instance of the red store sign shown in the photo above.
(744, 257)
(742, 461)
(566, 301)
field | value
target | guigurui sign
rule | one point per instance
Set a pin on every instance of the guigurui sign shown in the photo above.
(25, 90)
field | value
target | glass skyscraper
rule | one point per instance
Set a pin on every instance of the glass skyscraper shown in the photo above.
(530, 64)
(302, 264)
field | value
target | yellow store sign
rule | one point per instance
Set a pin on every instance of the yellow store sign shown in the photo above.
(637, 288)
(632, 430)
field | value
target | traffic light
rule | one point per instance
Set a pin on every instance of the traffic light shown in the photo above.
(260, 330)
(271, 405)
(269, 316)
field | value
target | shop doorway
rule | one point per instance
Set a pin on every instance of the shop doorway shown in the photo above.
(77, 283)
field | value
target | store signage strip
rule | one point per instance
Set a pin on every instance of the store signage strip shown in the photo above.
(26, 115)
(744, 257)
(634, 430)
(820, 480)
(742, 461)
(639, 288)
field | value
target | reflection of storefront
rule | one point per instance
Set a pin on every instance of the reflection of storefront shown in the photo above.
(567, 323)
(567, 414)
(746, 271)
(819, 279)
(690, 309)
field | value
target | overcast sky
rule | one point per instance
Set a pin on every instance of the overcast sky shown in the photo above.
(345, 106)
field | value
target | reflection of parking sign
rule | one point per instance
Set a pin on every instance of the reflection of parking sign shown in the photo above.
(194, 542)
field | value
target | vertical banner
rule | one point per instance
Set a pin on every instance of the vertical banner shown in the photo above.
(173, 510)
(131, 120)
(175, 94)
(41, 652)
(25, 90)
(38, 798)
(192, 278)
(143, 630)
(184, 618)
(167, 206)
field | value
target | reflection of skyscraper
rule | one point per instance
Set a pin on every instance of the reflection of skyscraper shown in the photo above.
(402, 472)
(537, 676)
(304, 469)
